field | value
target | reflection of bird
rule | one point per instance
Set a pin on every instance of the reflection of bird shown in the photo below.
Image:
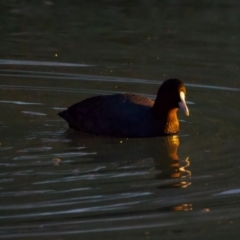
(173, 167)
(130, 115)
(159, 155)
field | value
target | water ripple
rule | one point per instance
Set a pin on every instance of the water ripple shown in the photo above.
(34, 113)
(229, 192)
(36, 149)
(82, 77)
(33, 230)
(41, 63)
(69, 90)
(20, 103)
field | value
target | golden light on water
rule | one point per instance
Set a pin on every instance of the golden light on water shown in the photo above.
(186, 173)
(178, 166)
(184, 207)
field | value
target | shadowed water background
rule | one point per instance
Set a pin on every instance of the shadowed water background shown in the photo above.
(56, 183)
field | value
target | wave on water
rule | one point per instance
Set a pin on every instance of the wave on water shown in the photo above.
(85, 77)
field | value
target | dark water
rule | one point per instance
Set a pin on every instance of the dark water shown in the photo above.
(60, 184)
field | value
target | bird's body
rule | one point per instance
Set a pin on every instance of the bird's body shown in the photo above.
(126, 115)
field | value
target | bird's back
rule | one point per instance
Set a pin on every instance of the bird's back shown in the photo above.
(112, 115)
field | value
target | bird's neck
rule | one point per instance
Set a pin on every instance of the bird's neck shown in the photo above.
(172, 124)
(169, 119)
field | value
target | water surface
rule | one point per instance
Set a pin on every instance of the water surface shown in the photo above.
(60, 184)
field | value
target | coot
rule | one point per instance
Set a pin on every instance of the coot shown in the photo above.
(128, 114)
